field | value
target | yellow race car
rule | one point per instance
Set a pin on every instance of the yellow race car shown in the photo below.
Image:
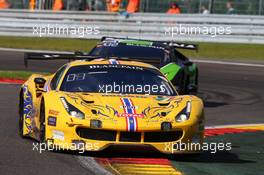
(94, 104)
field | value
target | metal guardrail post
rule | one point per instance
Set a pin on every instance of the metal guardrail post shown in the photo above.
(260, 6)
(211, 6)
(39, 4)
(200, 6)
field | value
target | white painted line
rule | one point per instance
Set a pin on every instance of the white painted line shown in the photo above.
(229, 63)
(35, 51)
(194, 60)
(230, 126)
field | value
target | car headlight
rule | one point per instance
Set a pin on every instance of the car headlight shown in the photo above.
(185, 114)
(72, 110)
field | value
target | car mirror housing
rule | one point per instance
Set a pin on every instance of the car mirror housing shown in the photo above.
(40, 81)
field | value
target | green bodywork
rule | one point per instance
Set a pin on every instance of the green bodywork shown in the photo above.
(137, 43)
(170, 70)
(191, 71)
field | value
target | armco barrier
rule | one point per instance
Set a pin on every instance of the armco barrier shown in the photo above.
(155, 26)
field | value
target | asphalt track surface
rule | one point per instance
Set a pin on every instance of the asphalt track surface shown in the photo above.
(232, 95)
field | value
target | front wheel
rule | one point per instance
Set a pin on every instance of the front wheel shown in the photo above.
(42, 134)
(21, 118)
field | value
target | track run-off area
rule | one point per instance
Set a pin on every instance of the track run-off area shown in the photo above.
(233, 96)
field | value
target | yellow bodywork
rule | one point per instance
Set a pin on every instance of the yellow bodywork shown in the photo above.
(61, 129)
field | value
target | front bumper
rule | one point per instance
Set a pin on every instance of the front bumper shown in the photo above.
(82, 138)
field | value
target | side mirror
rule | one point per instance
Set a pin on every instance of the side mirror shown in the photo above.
(40, 81)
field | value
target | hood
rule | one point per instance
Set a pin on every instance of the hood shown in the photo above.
(143, 106)
(119, 108)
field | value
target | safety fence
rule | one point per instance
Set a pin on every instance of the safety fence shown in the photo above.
(246, 7)
(87, 25)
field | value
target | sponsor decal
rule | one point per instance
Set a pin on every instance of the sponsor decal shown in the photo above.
(113, 61)
(53, 112)
(131, 107)
(137, 43)
(117, 66)
(28, 109)
(110, 43)
(131, 121)
(52, 121)
(58, 135)
(120, 95)
(131, 115)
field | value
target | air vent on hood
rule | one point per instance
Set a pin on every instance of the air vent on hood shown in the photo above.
(94, 111)
(164, 104)
(88, 101)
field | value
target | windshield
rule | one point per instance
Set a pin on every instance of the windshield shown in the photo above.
(129, 51)
(120, 79)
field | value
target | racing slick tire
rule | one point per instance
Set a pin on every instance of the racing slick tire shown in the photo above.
(42, 128)
(21, 117)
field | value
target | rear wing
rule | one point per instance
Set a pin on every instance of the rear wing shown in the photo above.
(56, 56)
(77, 56)
(176, 45)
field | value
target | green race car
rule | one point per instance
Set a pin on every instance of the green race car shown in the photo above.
(178, 68)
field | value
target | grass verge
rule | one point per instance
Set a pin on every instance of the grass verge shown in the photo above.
(250, 52)
(21, 75)
(56, 44)
(206, 50)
